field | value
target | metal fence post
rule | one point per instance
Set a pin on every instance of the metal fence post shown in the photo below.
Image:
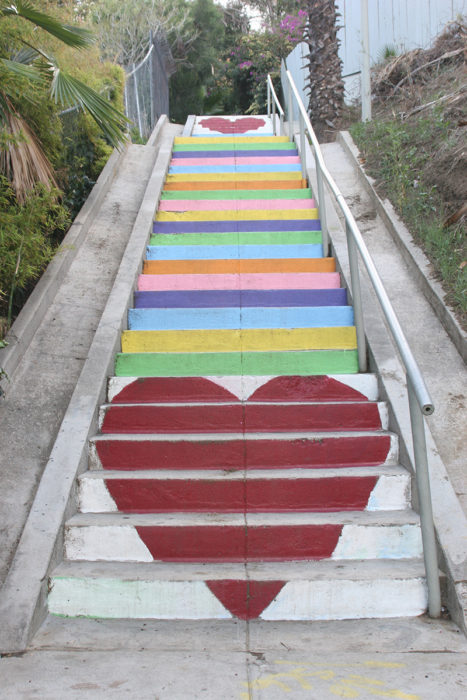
(138, 110)
(430, 553)
(356, 299)
(151, 81)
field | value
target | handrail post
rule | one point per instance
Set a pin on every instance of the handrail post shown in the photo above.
(356, 299)
(322, 207)
(430, 553)
(302, 145)
(274, 127)
(281, 119)
(290, 114)
(269, 99)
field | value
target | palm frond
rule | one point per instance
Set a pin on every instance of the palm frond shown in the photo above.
(26, 55)
(22, 160)
(69, 92)
(22, 70)
(70, 35)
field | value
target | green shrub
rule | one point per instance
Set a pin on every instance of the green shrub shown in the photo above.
(27, 236)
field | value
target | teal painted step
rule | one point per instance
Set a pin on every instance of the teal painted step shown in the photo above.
(181, 364)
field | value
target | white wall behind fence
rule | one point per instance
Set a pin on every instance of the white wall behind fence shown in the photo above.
(401, 24)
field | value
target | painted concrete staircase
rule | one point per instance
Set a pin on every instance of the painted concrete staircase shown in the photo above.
(243, 466)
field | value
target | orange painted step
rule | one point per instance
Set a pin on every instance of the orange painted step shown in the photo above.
(209, 267)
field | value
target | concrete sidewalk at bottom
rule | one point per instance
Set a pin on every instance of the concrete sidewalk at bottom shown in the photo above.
(410, 659)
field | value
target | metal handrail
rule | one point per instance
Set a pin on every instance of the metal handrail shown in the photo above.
(276, 105)
(420, 403)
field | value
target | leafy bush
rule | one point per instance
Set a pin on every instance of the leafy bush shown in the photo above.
(28, 236)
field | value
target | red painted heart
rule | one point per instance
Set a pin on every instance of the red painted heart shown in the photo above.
(238, 126)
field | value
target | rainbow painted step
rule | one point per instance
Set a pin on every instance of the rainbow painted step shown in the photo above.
(243, 467)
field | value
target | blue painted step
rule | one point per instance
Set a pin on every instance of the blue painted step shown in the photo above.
(232, 318)
(234, 252)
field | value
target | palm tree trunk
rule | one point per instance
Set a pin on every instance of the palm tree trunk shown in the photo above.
(325, 76)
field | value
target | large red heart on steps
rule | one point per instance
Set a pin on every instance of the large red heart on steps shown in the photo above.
(237, 126)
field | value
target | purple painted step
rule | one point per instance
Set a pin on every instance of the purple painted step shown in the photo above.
(235, 226)
(246, 297)
(234, 154)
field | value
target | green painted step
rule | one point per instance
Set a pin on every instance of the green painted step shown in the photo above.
(242, 238)
(240, 146)
(182, 364)
(237, 194)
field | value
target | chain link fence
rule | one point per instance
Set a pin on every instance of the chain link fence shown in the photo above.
(147, 87)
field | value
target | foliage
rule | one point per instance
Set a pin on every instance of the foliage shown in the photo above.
(193, 89)
(398, 154)
(69, 150)
(247, 64)
(26, 239)
(273, 11)
(31, 75)
(122, 28)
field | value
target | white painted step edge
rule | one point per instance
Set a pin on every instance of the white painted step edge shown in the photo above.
(244, 387)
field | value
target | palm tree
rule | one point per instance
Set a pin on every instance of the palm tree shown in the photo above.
(22, 158)
(325, 76)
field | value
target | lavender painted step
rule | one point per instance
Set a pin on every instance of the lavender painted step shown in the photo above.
(247, 297)
(234, 252)
(232, 153)
(235, 226)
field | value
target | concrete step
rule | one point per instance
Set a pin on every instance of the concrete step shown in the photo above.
(236, 194)
(233, 252)
(245, 238)
(237, 417)
(302, 318)
(238, 266)
(249, 214)
(299, 490)
(187, 281)
(273, 223)
(237, 340)
(305, 362)
(324, 590)
(313, 450)
(224, 298)
(197, 163)
(343, 387)
(242, 152)
(232, 537)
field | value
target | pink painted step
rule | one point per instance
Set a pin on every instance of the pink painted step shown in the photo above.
(300, 280)
(237, 204)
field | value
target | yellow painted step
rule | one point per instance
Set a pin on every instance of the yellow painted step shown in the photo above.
(248, 340)
(238, 215)
(229, 139)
